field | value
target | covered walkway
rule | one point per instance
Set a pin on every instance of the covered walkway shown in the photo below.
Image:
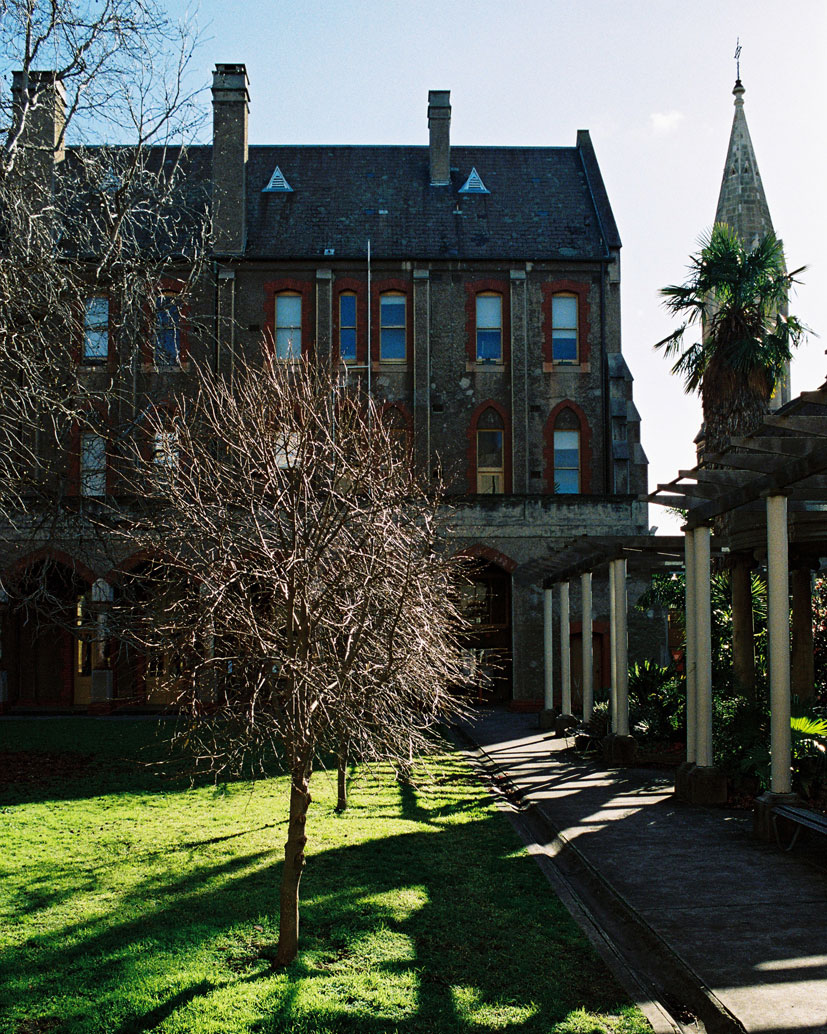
(731, 928)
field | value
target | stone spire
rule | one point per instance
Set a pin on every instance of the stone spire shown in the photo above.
(742, 203)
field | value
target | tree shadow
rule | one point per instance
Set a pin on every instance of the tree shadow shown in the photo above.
(433, 895)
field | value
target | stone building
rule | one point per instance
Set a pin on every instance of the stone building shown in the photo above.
(476, 292)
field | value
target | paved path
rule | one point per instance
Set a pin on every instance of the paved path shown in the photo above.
(748, 919)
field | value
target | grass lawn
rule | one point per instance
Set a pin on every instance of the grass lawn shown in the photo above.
(132, 904)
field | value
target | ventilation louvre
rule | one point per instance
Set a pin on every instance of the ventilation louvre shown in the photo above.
(278, 184)
(474, 185)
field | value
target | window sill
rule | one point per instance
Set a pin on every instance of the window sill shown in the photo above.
(384, 365)
(152, 368)
(559, 367)
(484, 367)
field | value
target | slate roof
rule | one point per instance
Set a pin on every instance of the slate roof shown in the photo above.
(544, 203)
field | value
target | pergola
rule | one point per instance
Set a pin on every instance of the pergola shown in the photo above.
(767, 497)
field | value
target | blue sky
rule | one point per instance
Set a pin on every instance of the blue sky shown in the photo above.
(651, 80)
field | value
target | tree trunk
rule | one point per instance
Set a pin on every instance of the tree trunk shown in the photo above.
(341, 803)
(743, 637)
(802, 672)
(292, 873)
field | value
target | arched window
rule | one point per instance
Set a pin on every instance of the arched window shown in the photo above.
(489, 308)
(288, 326)
(567, 453)
(490, 453)
(564, 337)
(393, 327)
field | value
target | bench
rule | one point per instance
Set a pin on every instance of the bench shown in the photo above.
(803, 818)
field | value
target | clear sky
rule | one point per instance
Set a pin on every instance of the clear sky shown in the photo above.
(651, 80)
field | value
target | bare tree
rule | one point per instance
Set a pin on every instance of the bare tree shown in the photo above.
(302, 584)
(87, 232)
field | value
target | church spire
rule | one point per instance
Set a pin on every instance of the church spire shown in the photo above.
(741, 202)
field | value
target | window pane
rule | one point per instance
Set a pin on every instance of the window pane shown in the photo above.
(489, 449)
(96, 328)
(566, 482)
(92, 465)
(489, 345)
(564, 346)
(288, 310)
(167, 332)
(347, 310)
(489, 312)
(564, 312)
(489, 482)
(393, 343)
(393, 310)
(288, 343)
(347, 344)
(566, 440)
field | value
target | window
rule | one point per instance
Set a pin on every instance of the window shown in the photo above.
(489, 328)
(167, 330)
(165, 450)
(95, 330)
(490, 442)
(92, 465)
(288, 326)
(567, 453)
(564, 328)
(392, 329)
(347, 327)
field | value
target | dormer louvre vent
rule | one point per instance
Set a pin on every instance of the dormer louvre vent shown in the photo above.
(474, 185)
(278, 184)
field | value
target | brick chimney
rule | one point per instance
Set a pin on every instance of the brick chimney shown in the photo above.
(231, 105)
(39, 117)
(439, 126)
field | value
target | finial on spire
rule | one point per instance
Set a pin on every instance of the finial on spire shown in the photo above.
(738, 61)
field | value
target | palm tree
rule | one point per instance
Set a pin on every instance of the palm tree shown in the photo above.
(737, 298)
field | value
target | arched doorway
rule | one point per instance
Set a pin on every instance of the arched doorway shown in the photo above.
(486, 603)
(48, 645)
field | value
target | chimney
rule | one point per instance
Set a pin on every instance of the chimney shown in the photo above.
(230, 100)
(439, 126)
(39, 121)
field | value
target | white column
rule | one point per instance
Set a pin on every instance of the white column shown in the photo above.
(565, 646)
(703, 650)
(548, 650)
(588, 657)
(613, 645)
(690, 655)
(621, 647)
(778, 624)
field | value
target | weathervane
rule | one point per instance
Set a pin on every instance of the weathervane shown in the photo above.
(738, 58)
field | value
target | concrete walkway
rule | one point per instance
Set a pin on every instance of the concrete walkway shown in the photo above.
(746, 919)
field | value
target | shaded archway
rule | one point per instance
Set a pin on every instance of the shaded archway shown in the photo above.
(47, 640)
(487, 607)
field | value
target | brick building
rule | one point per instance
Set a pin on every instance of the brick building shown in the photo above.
(476, 293)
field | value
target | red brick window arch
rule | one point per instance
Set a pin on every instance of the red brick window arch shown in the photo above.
(489, 451)
(566, 326)
(487, 322)
(568, 450)
(287, 329)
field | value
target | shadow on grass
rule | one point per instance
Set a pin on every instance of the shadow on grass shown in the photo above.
(451, 912)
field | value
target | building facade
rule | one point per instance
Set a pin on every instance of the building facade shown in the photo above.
(475, 291)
